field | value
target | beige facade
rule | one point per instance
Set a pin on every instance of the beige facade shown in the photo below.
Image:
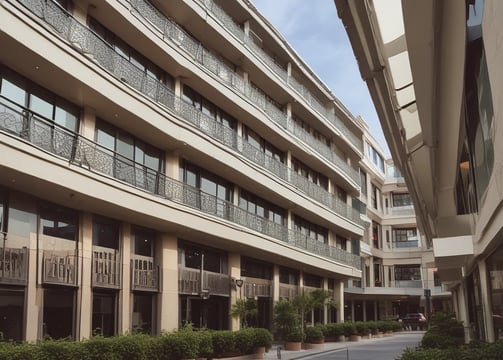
(154, 155)
(433, 69)
(398, 267)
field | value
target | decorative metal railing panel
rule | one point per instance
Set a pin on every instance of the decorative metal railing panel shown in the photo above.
(409, 283)
(189, 282)
(13, 265)
(410, 243)
(287, 291)
(255, 287)
(144, 273)
(59, 267)
(106, 267)
(83, 152)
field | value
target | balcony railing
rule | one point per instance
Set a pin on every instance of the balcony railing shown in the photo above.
(409, 283)
(106, 267)
(189, 282)
(144, 273)
(253, 287)
(13, 265)
(402, 210)
(59, 267)
(410, 243)
(280, 71)
(287, 291)
(83, 152)
(86, 41)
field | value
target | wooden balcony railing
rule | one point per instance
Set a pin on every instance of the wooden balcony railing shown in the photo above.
(13, 265)
(287, 291)
(59, 267)
(189, 282)
(144, 273)
(106, 267)
(254, 287)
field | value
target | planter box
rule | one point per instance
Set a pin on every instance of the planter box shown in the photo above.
(293, 345)
(379, 334)
(309, 346)
(355, 338)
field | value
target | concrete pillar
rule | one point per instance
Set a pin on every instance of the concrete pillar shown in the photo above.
(325, 309)
(376, 308)
(178, 87)
(463, 310)
(236, 292)
(486, 302)
(168, 308)
(88, 123)
(339, 299)
(364, 305)
(276, 283)
(85, 292)
(34, 293)
(125, 295)
(352, 310)
(172, 165)
(371, 272)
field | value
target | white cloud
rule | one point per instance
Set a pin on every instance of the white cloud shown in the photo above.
(314, 30)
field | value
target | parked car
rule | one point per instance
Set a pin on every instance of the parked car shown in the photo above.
(414, 320)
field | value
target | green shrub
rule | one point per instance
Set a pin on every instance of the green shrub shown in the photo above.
(314, 334)
(244, 340)
(362, 328)
(286, 318)
(98, 347)
(333, 330)
(445, 332)
(262, 337)
(205, 344)
(223, 341)
(373, 327)
(295, 335)
(349, 329)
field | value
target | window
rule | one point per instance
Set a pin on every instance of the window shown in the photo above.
(375, 157)
(256, 269)
(301, 124)
(310, 174)
(58, 314)
(261, 207)
(104, 316)
(266, 147)
(288, 276)
(208, 108)
(341, 194)
(192, 255)
(341, 242)
(405, 238)
(401, 200)
(144, 240)
(106, 233)
(130, 54)
(407, 272)
(375, 196)
(376, 235)
(142, 319)
(310, 229)
(312, 280)
(363, 184)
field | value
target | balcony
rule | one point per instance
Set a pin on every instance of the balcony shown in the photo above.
(190, 282)
(144, 273)
(254, 287)
(262, 56)
(13, 265)
(288, 291)
(59, 267)
(82, 152)
(90, 44)
(402, 211)
(106, 267)
(410, 243)
(409, 284)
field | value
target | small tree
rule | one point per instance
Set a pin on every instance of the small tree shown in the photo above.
(308, 301)
(286, 318)
(244, 310)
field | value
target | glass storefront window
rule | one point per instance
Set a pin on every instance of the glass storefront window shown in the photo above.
(495, 274)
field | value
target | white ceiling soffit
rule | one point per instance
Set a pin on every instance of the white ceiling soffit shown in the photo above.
(390, 22)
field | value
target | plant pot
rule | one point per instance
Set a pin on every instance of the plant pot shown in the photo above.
(355, 338)
(341, 338)
(309, 346)
(367, 337)
(293, 345)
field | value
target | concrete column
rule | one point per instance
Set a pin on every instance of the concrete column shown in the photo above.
(463, 310)
(246, 27)
(178, 87)
(486, 302)
(289, 69)
(167, 248)
(88, 123)
(376, 308)
(339, 299)
(125, 295)
(386, 282)
(325, 309)
(352, 310)
(236, 292)
(364, 310)
(371, 272)
(172, 165)
(34, 292)
(85, 292)
(276, 283)
(79, 12)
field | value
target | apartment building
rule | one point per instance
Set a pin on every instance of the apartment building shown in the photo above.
(160, 160)
(399, 274)
(434, 72)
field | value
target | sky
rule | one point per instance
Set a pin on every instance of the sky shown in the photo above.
(314, 30)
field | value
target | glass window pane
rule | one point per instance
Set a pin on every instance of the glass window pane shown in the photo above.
(13, 92)
(125, 146)
(65, 118)
(41, 106)
(105, 138)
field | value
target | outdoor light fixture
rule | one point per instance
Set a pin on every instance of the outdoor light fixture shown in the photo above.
(239, 282)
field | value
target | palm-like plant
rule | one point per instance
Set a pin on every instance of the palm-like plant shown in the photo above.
(244, 310)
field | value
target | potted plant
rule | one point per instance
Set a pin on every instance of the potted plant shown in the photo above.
(262, 341)
(293, 339)
(350, 331)
(245, 310)
(362, 329)
(314, 337)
